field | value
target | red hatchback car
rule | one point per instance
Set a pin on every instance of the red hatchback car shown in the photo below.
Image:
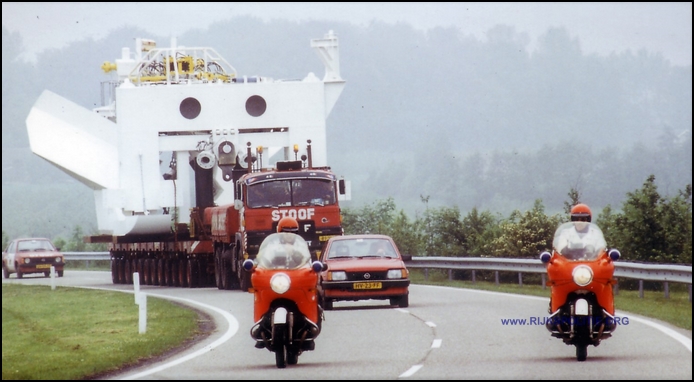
(363, 267)
(31, 255)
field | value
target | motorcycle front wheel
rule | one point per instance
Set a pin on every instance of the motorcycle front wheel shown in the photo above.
(581, 352)
(280, 346)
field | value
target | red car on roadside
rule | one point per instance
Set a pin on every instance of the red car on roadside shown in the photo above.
(31, 255)
(363, 267)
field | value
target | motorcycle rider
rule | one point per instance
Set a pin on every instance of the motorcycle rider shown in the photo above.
(291, 226)
(571, 242)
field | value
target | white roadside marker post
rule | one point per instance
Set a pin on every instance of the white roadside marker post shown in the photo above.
(141, 300)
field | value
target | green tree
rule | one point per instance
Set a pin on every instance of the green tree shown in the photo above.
(445, 231)
(374, 218)
(406, 234)
(574, 198)
(479, 229)
(526, 235)
(639, 234)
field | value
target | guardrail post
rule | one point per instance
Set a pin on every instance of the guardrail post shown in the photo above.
(640, 288)
(689, 288)
(473, 276)
(544, 281)
(520, 278)
(426, 274)
(496, 277)
(615, 288)
(666, 286)
(450, 275)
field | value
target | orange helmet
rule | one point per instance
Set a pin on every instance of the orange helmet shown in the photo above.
(581, 212)
(287, 224)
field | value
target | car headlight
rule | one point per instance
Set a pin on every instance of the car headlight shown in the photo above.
(337, 276)
(58, 259)
(396, 274)
(280, 283)
(582, 275)
(27, 260)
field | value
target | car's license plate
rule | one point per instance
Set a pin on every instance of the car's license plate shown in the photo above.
(39, 266)
(369, 285)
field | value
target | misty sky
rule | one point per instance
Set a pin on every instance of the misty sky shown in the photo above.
(602, 28)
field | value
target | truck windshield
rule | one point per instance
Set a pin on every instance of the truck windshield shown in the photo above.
(291, 192)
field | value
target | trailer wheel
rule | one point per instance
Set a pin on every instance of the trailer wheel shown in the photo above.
(217, 271)
(193, 271)
(128, 272)
(147, 263)
(183, 272)
(114, 271)
(121, 271)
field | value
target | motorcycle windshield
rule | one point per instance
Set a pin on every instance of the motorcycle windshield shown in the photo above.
(283, 250)
(579, 241)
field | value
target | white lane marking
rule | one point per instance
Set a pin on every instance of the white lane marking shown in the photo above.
(430, 324)
(684, 340)
(436, 344)
(411, 371)
(231, 331)
(233, 328)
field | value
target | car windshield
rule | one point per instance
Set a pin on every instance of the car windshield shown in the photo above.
(579, 241)
(35, 245)
(283, 250)
(291, 192)
(361, 248)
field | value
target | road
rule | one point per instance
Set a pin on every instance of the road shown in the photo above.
(445, 333)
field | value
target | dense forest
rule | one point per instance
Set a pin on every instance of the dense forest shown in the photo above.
(437, 123)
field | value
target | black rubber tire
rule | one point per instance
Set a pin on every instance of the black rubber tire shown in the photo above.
(280, 346)
(183, 272)
(292, 357)
(128, 272)
(193, 272)
(581, 352)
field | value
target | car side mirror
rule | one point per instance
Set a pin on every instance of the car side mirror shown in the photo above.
(406, 258)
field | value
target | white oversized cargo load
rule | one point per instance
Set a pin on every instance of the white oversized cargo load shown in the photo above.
(172, 117)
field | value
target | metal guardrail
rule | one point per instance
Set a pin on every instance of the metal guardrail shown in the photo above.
(639, 271)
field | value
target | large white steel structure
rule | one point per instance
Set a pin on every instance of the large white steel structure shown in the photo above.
(173, 118)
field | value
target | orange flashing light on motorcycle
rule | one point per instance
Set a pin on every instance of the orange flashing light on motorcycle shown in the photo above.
(580, 269)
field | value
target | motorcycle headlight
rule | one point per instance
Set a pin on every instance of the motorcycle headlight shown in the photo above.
(396, 274)
(280, 283)
(582, 275)
(338, 276)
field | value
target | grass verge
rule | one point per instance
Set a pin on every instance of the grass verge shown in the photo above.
(73, 333)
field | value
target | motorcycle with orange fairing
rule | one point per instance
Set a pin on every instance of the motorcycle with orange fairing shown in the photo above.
(580, 269)
(287, 315)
